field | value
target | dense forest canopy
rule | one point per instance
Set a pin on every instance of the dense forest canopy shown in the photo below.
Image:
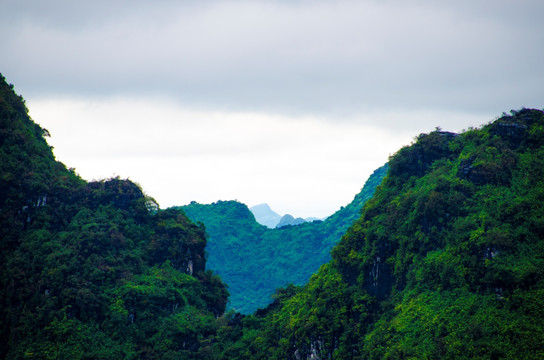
(446, 261)
(93, 270)
(254, 260)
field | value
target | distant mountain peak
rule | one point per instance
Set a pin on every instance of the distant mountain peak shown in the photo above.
(288, 219)
(264, 215)
(263, 206)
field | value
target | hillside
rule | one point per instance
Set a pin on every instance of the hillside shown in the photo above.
(446, 261)
(93, 270)
(254, 260)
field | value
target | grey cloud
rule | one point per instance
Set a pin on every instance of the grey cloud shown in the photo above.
(284, 57)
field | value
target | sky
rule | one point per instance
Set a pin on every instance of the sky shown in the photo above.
(290, 103)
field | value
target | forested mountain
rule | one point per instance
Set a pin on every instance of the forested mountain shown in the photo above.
(446, 261)
(93, 270)
(254, 260)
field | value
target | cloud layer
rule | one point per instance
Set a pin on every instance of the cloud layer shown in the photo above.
(291, 57)
(303, 166)
(293, 103)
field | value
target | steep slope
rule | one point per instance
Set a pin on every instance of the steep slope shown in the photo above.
(254, 260)
(93, 270)
(446, 261)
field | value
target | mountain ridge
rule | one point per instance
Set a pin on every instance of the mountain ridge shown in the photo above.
(264, 215)
(255, 260)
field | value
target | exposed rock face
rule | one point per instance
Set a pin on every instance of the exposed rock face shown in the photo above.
(289, 220)
(315, 349)
(313, 353)
(475, 174)
(189, 267)
(512, 131)
(380, 278)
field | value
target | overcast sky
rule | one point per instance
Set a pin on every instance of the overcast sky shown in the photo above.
(292, 103)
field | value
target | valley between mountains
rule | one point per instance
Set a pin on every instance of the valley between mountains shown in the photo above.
(440, 256)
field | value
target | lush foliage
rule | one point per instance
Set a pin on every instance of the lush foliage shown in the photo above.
(446, 261)
(255, 260)
(93, 270)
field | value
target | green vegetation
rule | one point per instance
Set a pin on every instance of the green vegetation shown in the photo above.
(446, 261)
(94, 270)
(254, 260)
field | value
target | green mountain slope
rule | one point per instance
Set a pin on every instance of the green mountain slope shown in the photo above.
(254, 260)
(446, 261)
(93, 270)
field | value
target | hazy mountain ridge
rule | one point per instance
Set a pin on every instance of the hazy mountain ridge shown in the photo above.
(254, 260)
(264, 215)
(289, 219)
